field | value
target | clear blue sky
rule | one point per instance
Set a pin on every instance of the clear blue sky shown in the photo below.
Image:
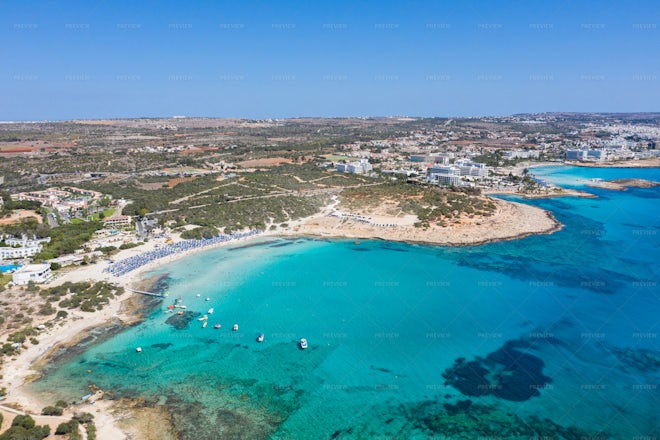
(257, 59)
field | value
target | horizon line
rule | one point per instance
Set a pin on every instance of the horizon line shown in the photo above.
(117, 118)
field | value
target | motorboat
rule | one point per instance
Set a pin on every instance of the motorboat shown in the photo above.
(210, 311)
(217, 326)
(235, 327)
(260, 338)
(303, 343)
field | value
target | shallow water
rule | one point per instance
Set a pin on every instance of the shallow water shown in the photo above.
(571, 316)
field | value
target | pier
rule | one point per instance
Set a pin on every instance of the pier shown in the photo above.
(142, 292)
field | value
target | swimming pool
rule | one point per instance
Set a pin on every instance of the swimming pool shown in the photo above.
(9, 268)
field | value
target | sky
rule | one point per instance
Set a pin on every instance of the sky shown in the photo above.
(274, 59)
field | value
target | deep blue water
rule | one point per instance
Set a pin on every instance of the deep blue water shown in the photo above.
(551, 335)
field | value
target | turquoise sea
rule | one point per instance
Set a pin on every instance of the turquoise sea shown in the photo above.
(551, 336)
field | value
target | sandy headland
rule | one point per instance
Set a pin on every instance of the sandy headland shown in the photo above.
(652, 162)
(510, 221)
(623, 184)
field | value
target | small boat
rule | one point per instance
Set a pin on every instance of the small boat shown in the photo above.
(179, 313)
(204, 324)
(170, 306)
(217, 326)
(203, 318)
(139, 349)
(303, 343)
(210, 311)
(260, 338)
(198, 295)
(208, 299)
(235, 327)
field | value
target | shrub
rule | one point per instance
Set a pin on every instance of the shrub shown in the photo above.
(67, 427)
(25, 421)
(61, 404)
(84, 417)
(52, 411)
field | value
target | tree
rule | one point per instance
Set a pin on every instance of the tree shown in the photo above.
(51, 411)
(24, 421)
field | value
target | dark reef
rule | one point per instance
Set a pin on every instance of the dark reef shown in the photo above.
(506, 373)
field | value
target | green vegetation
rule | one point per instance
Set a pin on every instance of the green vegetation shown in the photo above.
(61, 404)
(51, 411)
(101, 215)
(431, 204)
(9, 205)
(67, 238)
(70, 428)
(24, 428)
(130, 245)
(496, 159)
(84, 296)
(199, 233)
(29, 226)
(22, 335)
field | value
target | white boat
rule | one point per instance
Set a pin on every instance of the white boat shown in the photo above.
(235, 328)
(208, 299)
(203, 318)
(210, 310)
(139, 349)
(260, 338)
(204, 324)
(303, 343)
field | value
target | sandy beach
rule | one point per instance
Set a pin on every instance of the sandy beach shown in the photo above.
(117, 420)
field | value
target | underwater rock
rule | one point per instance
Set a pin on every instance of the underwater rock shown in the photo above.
(180, 322)
(507, 373)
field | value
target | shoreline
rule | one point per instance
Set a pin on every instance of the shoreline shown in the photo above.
(652, 162)
(512, 221)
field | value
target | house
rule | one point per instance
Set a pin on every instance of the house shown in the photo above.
(38, 273)
(117, 221)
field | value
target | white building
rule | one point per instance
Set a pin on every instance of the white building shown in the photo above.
(24, 241)
(117, 221)
(21, 252)
(27, 247)
(38, 273)
(576, 154)
(358, 167)
(596, 155)
(522, 154)
(469, 168)
(450, 175)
